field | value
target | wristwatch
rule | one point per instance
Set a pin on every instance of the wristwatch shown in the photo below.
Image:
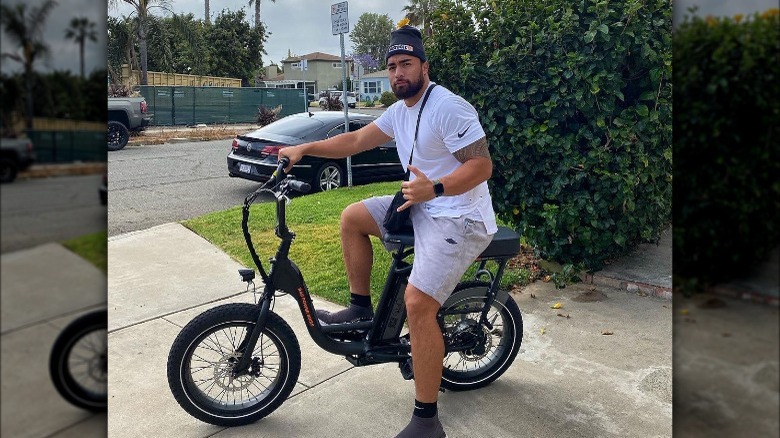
(438, 188)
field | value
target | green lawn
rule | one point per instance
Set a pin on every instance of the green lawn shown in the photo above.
(92, 247)
(317, 248)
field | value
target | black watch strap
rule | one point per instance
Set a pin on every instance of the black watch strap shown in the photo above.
(438, 188)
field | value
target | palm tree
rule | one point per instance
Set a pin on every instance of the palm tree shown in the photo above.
(208, 19)
(257, 10)
(142, 8)
(80, 30)
(419, 13)
(25, 28)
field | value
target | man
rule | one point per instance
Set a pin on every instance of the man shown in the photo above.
(449, 202)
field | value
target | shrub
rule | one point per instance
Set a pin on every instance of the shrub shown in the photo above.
(388, 98)
(266, 116)
(369, 103)
(332, 103)
(726, 195)
(575, 98)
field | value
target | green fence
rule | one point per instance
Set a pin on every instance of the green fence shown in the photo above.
(68, 146)
(189, 105)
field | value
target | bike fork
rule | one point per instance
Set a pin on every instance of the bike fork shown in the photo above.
(247, 346)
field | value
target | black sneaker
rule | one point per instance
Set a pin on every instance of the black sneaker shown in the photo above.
(423, 428)
(352, 313)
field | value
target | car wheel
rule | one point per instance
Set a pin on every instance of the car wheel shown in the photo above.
(8, 170)
(328, 177)
(118, 136)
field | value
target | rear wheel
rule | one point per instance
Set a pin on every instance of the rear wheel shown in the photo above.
(329, 176)
(118, 135)
(202, 358)
(489, 351)
(8, 170)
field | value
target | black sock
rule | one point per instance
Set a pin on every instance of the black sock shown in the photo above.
(360, 300)
(424, 410)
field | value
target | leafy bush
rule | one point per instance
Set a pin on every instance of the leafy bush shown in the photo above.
(369, 103)
(575, 98)
(332, 103)
(727, 194)
(388, 98)
(266, 116)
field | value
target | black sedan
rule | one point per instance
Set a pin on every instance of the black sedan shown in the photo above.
(254, 155)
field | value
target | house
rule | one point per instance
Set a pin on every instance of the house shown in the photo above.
(323, 72)
(374, 84)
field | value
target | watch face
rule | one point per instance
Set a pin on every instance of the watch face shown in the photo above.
(438, 189)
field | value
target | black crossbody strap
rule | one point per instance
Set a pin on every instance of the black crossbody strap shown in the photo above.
(417, 128)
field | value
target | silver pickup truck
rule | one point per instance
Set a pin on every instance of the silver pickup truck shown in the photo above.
(15, 154)
(125, 114)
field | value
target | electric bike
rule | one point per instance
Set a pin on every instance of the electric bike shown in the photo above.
(236, 363)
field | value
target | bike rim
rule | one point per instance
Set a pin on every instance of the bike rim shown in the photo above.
(209, 363)
(498, 339)
(87, 366)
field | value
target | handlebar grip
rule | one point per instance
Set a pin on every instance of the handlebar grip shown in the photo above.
(279, 172)
(299, 186)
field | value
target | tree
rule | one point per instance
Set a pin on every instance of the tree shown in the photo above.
(236, 47)
(120, 47)
(365, 60)
(81, 30)
(419, 13)
(371, 35)
(25, 28)
(257, 10)
(208, 18)
(142, 8)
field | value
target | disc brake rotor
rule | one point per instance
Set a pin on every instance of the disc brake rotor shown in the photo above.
(223, 374)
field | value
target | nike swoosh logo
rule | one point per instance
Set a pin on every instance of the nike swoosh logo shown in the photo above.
(461, 134)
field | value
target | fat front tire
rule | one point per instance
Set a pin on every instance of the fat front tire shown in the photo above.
(204, 353)
(118, 135)
(328, 177)
(78, 364)
(497, 347)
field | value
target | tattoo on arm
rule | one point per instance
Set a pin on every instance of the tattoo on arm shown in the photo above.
(477, 149)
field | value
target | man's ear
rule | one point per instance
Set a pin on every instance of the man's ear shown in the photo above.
(425, 67)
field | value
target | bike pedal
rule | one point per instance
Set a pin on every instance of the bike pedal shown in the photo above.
(407, 372)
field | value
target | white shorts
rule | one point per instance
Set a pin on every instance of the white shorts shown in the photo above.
(444, 247)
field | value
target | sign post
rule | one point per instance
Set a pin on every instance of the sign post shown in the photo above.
(339, 21)
(304, 67)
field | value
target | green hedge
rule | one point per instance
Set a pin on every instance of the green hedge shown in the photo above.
(576, 101)
(727, 191)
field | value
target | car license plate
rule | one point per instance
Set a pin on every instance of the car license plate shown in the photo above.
(245, 168)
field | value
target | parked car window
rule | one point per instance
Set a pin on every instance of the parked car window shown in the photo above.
(353, 126)
(294, 126)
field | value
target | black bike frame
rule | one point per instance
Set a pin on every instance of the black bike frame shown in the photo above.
(382, 342)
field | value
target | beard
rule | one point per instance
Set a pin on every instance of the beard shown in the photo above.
(409, 89)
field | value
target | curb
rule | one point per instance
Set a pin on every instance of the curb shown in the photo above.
(49, 170)
(641, 289)
(753, 297)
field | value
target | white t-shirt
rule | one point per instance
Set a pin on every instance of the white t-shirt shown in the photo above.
(448, 123)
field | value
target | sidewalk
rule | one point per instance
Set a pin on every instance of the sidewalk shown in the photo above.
(569, 378)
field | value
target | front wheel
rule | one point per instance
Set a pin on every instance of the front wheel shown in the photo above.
(202, 358)
(489, 351)
(79, 362)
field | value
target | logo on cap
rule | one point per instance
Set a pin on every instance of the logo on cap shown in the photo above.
(406, 47)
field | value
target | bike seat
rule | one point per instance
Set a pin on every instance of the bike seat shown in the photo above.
(505, 243)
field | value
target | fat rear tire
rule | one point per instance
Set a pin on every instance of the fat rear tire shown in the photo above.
(200, 361)
(474, 369)
(118, 135)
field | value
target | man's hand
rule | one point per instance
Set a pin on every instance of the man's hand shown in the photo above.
(418, 190)
(293, 153)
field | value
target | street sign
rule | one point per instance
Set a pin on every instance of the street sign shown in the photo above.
(339, 18)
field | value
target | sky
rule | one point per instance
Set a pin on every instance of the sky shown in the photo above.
(300, 26)
(65, 53)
